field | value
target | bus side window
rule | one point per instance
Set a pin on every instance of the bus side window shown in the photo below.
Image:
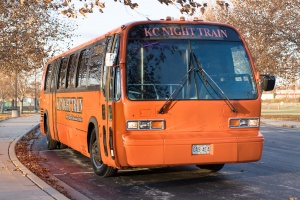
(48, 78)
(115, 82)
(82, 69)
(109, 43)
(62, 73)
(71, 70)
(96, 62)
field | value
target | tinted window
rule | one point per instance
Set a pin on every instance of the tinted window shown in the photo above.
(96, 61)
(48, 77)
(188, 69)
(62, 73)
(82, 69)
(109, 43)
(71, 70)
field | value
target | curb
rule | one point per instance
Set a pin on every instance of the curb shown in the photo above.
(31, 176)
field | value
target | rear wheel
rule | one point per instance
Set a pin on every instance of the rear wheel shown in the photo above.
(51, 144)
(212, 167)
(99, 167)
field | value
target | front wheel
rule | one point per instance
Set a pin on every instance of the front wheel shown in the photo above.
(99, 167)
(212, 167)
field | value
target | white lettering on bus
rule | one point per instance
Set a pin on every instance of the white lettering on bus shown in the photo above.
(74, 117)
(212, 33)
(185, 31)
(155, 31)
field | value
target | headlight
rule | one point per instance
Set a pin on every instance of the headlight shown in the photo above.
(146, 125)
(243, 122)
(132, 125)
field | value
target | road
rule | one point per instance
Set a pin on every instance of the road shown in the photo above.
(275, 176)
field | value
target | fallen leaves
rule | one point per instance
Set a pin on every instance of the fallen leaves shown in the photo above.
(16, 169)
(5, 167)
(32, 161)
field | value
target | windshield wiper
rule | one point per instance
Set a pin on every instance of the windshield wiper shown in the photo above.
(204, 74)
(179, 85)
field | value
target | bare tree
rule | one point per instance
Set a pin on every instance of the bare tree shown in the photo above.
(73, 8)
(272, 30)
(30, 33)
(4, 90)
(23, 87)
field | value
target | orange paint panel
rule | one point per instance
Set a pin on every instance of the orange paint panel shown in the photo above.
(249, 152)
(144, 153)
(250, 149)
(63, 137)
(178, 151)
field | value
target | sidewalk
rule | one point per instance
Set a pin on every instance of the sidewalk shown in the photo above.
(16, 181)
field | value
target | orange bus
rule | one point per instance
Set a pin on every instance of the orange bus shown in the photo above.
(156, 93)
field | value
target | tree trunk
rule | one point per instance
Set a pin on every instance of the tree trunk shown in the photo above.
(21, 106)
(2, 106)
(16, 90)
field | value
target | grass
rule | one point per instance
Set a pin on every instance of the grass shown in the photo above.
(295, 118)
(281, 111)
(5, 116)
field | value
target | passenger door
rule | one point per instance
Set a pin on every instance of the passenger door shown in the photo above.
(110, 93)
(52, 116)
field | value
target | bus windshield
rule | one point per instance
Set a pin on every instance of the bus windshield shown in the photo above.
(159, 69)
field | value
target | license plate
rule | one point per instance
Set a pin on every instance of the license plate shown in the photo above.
(200, 149)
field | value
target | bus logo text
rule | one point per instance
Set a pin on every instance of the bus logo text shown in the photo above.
(176, 31)
(69, 104)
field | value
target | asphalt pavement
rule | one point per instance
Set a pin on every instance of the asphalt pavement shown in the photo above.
(17, 182)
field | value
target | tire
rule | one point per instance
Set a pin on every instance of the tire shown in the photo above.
(51, 144)
(99, 167)
(212, 167)
(61, 145)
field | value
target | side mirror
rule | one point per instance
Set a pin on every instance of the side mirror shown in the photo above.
(267, 82)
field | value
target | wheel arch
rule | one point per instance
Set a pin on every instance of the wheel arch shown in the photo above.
(93, 123)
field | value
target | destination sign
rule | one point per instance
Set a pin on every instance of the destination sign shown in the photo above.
(178, 31)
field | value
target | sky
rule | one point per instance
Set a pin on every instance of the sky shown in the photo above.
(116, 14)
